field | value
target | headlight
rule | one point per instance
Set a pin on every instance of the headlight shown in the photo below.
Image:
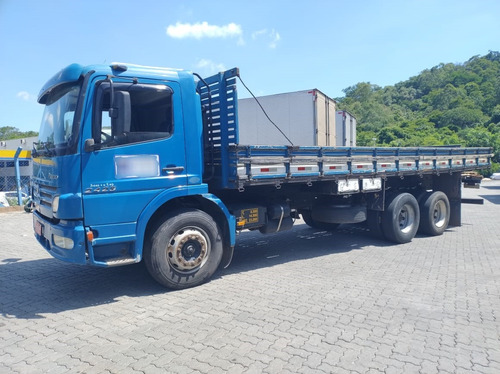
(62, 241)
(55, 204)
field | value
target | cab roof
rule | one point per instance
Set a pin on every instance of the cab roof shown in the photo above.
(74, 72)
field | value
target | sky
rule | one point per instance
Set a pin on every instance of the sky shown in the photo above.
(279, 46)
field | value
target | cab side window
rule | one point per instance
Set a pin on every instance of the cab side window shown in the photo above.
(128, 113)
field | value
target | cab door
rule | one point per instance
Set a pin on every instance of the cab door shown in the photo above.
(136, 151)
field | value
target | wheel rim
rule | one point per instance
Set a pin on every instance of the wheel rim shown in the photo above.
(439, 214)
(189, 249)
(406, 219)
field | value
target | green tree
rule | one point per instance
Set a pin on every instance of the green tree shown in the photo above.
(462, 117)
(495, 114)
(9, 132)
(449, 104)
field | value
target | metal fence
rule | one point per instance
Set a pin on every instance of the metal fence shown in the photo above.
(8, 177)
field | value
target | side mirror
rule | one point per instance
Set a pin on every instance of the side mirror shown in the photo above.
(89, 145)
(120, 113)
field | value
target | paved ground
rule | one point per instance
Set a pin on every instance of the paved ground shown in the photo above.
(300, 302)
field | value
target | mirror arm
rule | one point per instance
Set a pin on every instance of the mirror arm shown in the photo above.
(91, 146)
(113, 113)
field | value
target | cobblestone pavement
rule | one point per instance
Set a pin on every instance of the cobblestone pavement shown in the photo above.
(302, 301)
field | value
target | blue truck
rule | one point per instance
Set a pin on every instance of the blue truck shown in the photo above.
(143, 163)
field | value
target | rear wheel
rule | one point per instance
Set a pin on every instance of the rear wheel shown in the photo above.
(306, 216)
(401, 218)
(434, 213)
(185, 250)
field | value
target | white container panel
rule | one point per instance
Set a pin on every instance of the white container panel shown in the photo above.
(306, 117)
(345, 129)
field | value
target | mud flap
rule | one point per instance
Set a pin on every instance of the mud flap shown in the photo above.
(227, 256)
(451, 185)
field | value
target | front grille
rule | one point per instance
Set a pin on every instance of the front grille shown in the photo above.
(43, 194)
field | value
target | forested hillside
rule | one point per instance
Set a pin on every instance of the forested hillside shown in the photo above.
(448, 104)
(9, 132)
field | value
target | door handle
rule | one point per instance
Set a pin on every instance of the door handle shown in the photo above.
(172, 169)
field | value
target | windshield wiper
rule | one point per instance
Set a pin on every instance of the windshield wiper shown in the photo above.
(48, 151)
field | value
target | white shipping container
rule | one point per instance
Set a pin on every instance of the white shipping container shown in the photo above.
(346, 128)
(306, 117)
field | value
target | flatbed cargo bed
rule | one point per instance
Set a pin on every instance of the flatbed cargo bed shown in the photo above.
(229, 165)
(251, 165)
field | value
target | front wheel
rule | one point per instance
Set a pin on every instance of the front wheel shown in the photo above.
(401, 218)
(185, 250)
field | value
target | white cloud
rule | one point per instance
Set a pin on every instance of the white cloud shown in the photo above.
(241, 41)
(203, 30)
(256, 34)
(209, 66)
(273, 36)
(23, 95)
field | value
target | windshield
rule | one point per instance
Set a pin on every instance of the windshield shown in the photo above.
(56, 130)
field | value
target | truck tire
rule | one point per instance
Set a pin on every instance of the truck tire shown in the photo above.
(401, 218)
(306, 216)
(374, 223)
(434, 213)
(185, 249)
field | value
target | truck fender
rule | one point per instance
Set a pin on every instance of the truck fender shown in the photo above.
(152, 208)
(182, 191)
(227, 256)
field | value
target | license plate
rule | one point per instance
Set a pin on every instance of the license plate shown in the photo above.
(38, 228)
(372, 184)
(350, 185)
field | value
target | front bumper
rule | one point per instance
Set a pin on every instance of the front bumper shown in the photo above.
(74, 230)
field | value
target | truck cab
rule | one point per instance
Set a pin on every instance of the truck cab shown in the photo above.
(116, 143)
